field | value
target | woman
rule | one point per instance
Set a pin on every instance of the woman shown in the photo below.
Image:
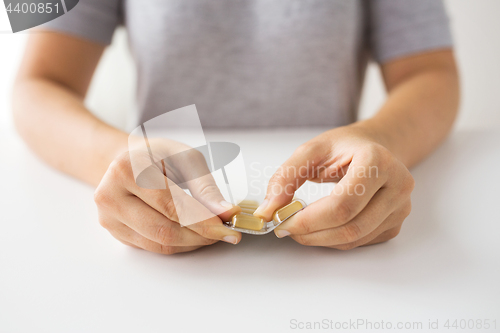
(250, 63)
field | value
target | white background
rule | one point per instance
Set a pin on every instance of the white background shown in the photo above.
(475, 26)
(61, 272)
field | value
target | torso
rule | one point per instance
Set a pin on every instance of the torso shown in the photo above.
(249, 63)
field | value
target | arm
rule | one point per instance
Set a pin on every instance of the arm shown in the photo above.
(422, 103)
(50, 116)
(49, 110)
(367, 208)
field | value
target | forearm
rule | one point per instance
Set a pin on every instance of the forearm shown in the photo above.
(55, 124)
(418, 114)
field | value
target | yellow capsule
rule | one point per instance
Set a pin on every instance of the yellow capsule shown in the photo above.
(283, 213)
(248, 210)
(249, 204)
(247, 221)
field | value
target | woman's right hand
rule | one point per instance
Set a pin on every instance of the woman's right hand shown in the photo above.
(149, 219)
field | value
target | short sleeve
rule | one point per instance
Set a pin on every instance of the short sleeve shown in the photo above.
(95, 20)
(400, 28)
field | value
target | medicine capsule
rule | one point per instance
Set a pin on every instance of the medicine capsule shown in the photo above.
(247, 221)
(247, 210)
(250, 203)
(284, 213)
(248, 206)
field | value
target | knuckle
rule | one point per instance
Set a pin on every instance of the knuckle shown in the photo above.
(277, 184)
(302, 225)
(208, 241)
(406, 210)
(105, 223)
(168, 250)
(393, 233)
(194, 155)
(372, 152)
(302, 240)
(206, 230)
(209, 189)
(101, 197)
(345, 247)
(194, 161)
(369, 152)
(306, 148)
(376, 155)
(166, 207)
(166, 235)
(343, 212)
(408, 184)
(351, 233)
(121, 166)
(278, 178)
(385, 157)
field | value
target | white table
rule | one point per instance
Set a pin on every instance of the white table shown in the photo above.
(60, 271)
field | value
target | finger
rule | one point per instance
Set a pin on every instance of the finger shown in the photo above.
(363, 224)
(198, 218)
(149, 223)
(384, 237)
(111, 224)
(195, 174)
(287, 179)
(350, 195)
(333, 174)
(339, 207)
(128, 244)
(143, 243)
(163, 195)
(373, 238)
(178, 206)
(120, 231)
(205, 190)
(129, 237)
(393, 221)
(161, 249)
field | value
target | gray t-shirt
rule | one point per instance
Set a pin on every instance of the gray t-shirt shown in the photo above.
(259, 63)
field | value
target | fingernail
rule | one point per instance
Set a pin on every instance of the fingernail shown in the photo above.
(231, 239)
(282, 233)
(226, 204)
(263, 205)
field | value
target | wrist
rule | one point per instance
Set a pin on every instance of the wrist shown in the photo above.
(107, 143)
(381, 132)
(371, 131)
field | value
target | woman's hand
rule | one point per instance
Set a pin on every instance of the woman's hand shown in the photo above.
(149, 218)
(368, 204)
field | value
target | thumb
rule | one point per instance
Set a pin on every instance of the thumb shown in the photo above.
(287, 179)
(205, 190)
(191, 169)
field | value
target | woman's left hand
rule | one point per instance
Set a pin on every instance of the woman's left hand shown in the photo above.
(368, 204)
